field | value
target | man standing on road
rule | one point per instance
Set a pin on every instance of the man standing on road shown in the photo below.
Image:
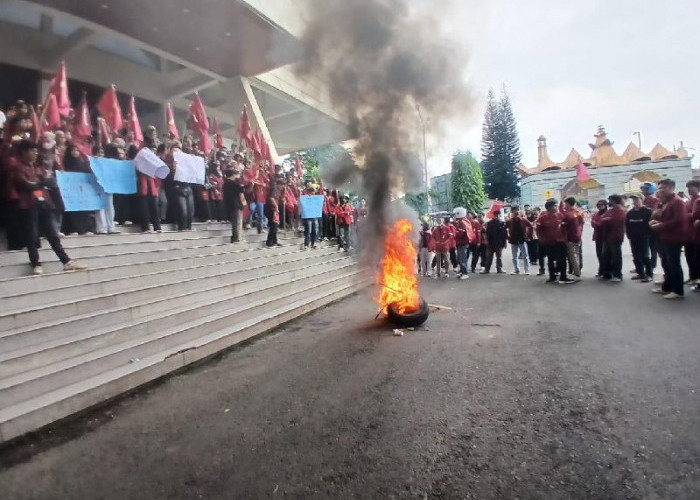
(573, 227)
(671, 228)
(550, 230)
(518, 230)
(464, 233)
(496, 239)
(648, 190)
(613, 222)
(692, 249)
(599, 234)
(533, 243)
(638, 232)
(442, 238)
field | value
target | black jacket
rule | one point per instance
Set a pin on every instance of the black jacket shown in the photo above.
(637, 223)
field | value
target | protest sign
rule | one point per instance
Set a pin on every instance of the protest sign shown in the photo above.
(311, 206)
(147, 162)
(80, 192)
(189, 168)
(115, 176)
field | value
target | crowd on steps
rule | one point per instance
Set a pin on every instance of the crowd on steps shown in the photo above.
(660, 225)
(242, 186)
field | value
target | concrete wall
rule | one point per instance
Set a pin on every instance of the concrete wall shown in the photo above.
(613, 179)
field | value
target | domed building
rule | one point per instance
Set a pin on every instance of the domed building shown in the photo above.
(601, 174)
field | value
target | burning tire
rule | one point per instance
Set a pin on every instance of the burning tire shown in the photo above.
(409, 318)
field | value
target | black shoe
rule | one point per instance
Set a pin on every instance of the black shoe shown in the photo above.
(484, 272)
(541, 273)
(500, 271)
(551, 280)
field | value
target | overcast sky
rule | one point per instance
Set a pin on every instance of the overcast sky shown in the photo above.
(571, 66)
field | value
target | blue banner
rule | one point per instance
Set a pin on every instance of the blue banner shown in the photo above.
(115, 176)
(80, 191)
(311, 207)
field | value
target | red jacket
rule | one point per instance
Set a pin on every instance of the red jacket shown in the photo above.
(674, 221)
(464, 233)
(525, 227)
(573, 224)
(343, 214)
(442, 238)
(550, 228)
(453, 235)
(426, 240)
(613, 222)
(478, 230)
(598, 229)
(147, 185)
(695, 219)
(690, 207)
(651, 201)
(24, 177)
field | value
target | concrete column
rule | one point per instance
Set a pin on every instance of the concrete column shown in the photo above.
(43, 87)
(238, 92)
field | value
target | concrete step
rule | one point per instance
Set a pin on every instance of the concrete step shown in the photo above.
(173, 329)
(196, 226)
(10, 287)
(95, 307)
(34, 413)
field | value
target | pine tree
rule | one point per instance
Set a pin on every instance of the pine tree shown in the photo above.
(467, 182)
(500, 148)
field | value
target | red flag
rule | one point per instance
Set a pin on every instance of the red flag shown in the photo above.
(496, 206)
(59, 88)
(103, 131)
(244, 130)
(171, 123)
(51, 116)
(82, 128)
(133, 122)
(200, 123)
(298, 166)
(108, 106)
(36, 124)
(218, 138)
(582, 172)
(256, 145)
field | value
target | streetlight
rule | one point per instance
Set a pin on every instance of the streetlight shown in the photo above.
(425, 158)
(639, 138)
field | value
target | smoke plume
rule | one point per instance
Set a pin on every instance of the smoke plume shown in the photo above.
(382, 60)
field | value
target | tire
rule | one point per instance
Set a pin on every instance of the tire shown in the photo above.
(411, 319)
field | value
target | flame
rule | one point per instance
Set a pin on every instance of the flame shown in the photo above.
(397, 279)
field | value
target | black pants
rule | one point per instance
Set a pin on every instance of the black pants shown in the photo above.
(655, 250)
(490, 252)
(236, 217)
(36, 219)
(344, 236)
(599, 254)
(612, 259)
(271, 233)
(556, 259)
(12, 219)
(453, 258)
(640, 255)
(148, 212)
(691, 258)
(185, 202)
(536, 254)
(673, 272)
(476, 252)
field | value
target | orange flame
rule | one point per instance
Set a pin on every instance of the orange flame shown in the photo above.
(397, 279)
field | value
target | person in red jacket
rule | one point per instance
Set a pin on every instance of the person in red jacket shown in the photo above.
(695, 229)
(692, 249)
(442, 240)
(613, 222)
(599, 234)
(648, 190)
(573, 226)
(425, 250)
(475, 241)
(518, 230)
(344, 219)
(35, 205)
(671, 226)
(463, 232)
(550, 231)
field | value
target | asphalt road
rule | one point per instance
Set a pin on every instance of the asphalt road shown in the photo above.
(521, 390)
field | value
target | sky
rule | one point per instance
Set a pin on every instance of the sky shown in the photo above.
(570, 66)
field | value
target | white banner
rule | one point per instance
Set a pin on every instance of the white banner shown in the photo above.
(189, 168)
(147, 162)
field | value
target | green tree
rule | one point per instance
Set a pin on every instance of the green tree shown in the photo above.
(500, 148)
(418, 202)
(467, 182)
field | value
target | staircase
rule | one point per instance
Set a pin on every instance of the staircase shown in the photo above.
(149, 304)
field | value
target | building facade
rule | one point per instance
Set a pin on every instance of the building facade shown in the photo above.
(441, 190)
(602, 174)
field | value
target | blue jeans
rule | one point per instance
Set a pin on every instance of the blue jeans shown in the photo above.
(463, 258)
(310, 231)
(257, 208)
(520, 248)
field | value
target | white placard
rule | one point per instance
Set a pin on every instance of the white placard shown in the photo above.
(189, 168)
(147, 162)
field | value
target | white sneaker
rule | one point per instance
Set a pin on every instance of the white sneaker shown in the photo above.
(37, 271)
(659, 282)
(464, 277)
(515, 272)
(527, 273)
(72, 265)
(658, 291)
(447, 275)
(612, 280)
(672, 296)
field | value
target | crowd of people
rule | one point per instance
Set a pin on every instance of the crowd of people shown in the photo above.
(239, 187)
(659, 224)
